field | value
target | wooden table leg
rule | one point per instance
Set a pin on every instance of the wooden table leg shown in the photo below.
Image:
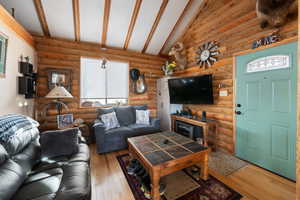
(130, 152)
(155, 195)
(204, 167)
(205, 135)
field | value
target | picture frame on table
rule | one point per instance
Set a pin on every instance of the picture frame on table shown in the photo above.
(65, 121)
(3, 54)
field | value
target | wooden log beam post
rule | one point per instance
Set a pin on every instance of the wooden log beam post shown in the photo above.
(156, 22)
(76, 16)
(41, 15)
(132, 22)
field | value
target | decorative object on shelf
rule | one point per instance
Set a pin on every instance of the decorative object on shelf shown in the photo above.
(26, 82)
(169, 68)
(207, 54)
(3, 52)
(141, 85)
(57, 93)
(273, 38)
(62, 77)
(178, 52)
(65, 121)
(275, 13)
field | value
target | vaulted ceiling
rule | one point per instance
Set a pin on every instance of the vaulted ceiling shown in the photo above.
(147, 26)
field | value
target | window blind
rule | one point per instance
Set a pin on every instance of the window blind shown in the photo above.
(109, 83)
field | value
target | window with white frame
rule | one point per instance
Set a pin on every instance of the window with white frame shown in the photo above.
(103, 86)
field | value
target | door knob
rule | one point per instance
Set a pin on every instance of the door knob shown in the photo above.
(238, 105)
(238, 112)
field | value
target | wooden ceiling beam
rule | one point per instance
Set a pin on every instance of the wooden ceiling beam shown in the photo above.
(184, 12)
(61, 46)
(105, 22)
(156, 22)
(42, 18)
(135, 13)
(76, 16)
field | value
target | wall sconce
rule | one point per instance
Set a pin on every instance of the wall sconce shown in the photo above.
(24, 107)
(22, 104)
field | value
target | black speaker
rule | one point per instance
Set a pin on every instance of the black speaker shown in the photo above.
(27, 86)
(26, 68)
(203, 117)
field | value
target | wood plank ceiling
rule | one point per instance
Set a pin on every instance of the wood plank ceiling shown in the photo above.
(147, 26)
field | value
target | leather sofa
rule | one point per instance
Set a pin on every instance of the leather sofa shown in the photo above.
(116, 139)
(26, 175)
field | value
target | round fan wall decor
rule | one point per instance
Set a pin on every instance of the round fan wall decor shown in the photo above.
(207, 54)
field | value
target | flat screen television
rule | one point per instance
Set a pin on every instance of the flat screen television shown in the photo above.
(191, 90)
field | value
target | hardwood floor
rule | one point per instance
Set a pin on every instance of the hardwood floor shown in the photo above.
(254, 183)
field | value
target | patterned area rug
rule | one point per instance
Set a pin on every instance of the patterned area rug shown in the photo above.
(212, 189)
(225, 164)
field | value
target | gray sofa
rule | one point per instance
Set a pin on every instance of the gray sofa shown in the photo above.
(116, 139)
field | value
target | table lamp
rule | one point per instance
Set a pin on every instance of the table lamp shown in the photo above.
(58, 93)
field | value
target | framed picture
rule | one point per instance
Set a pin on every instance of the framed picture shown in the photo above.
(3, 52)
(62, 77)
(65, 121)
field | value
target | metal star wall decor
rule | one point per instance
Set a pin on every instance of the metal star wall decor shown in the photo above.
(207, 54)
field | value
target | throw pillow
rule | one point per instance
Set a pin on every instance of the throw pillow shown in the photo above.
(125, 115)
(110, 120)
(142, 117)
(59, 142)
(102, 111)
(138, 107)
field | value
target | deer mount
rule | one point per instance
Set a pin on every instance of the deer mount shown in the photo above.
(178, 52)
(275, 13)
(207, 54)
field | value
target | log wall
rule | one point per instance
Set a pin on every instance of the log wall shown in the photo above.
(234, 24)
(64, 54)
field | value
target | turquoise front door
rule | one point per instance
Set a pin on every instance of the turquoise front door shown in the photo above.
(266, 85)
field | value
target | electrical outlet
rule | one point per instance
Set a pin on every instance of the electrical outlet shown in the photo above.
(223, 93)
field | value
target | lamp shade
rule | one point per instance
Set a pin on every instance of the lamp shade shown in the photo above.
(59, 92)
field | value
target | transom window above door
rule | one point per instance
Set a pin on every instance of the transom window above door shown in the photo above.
(102, 85)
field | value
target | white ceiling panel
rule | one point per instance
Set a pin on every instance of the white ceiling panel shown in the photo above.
(91, 20)
(144, 22)
(193, 11)
(59, 16)
(119, 20)
(25, 14)
(166, 24)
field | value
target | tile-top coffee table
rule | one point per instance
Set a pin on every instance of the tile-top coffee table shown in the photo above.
(161, 158)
